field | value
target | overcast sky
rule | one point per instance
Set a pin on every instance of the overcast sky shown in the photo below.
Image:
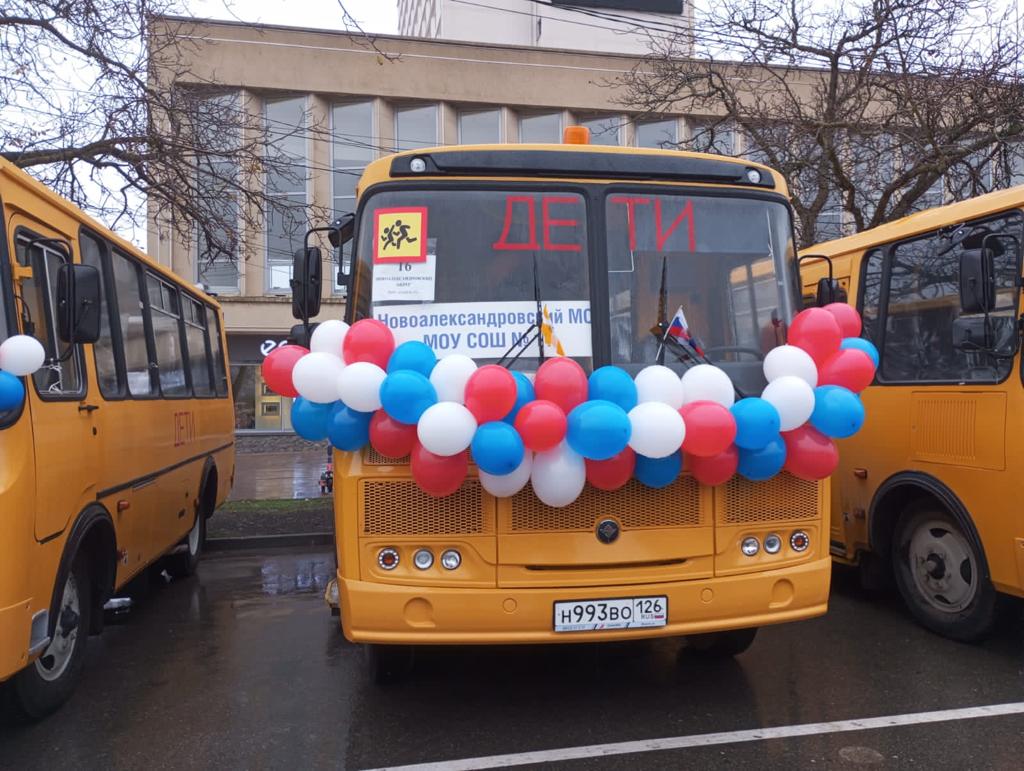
(372, 15)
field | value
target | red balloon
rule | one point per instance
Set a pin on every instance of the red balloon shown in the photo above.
(613, 473)
(490, 393)
(541, 424)
(847, 318)
(714, 470)
(710, 428)
(438, 475)
(817, 332)
(391, 438)
(368, 340)
(850, 368)
(561, 381)
(810, 454)
(277, 369)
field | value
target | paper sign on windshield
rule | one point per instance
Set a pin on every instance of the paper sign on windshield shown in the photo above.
(406, 281)
(400, 235)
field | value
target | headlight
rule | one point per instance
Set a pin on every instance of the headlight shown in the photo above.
(772, 543)
(423, 559)
(388, 558)
(799, 541)
(750, 546)
(451, 559)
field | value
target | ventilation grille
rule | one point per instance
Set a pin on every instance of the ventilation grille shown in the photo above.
(636, 507)
(373, 458)
(393, 507)
(783, 497)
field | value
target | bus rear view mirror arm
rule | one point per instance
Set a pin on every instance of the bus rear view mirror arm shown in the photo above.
(78, 303)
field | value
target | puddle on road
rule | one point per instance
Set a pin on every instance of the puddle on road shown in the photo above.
(296, 575)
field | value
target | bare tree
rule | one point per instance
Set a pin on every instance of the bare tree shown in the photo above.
(874, 108)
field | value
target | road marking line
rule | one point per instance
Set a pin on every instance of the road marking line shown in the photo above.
(707, 740)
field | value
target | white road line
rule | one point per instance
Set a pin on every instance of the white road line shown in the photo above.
(707, 740)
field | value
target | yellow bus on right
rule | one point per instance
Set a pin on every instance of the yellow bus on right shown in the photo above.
(931, 487)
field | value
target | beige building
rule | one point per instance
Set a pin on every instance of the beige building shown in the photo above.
(337, 103)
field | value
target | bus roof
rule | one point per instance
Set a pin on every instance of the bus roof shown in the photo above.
(22, 178)
(921, 222)
(526, 162)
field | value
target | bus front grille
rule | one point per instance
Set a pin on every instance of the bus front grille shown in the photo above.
(399, 507)
(636, 507)
(373, 458)
(781, 498)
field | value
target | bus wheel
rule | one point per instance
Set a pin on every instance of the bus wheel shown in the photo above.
(722, 644)
(184, 563)
(940, 574)
(47, 683)
(388, 664)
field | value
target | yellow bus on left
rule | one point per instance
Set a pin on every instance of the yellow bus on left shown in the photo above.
(123, 445)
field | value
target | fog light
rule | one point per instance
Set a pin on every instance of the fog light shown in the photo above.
(772, 543)
(754, 176)
(388, 558)
(750, 546)
(417, 165)
(423, 559)
(799, 541)
(451, 559)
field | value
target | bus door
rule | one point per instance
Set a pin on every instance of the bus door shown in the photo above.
(62, 413)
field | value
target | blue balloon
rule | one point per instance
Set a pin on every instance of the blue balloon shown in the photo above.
(658, 472)
(347, 429)
(759, 465)
(613, 384)
(309, 419)
(12, 392)
(414, 355)
(524, 394)
(497, 448)
(860, 344)
(406, 394)
(598, 429)
(757, 423)
(838, 412)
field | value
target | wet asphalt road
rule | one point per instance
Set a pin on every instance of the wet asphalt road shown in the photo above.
(243, 667)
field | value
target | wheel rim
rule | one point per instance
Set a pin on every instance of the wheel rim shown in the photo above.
(53, 663)
(943, 567)
(193, 536)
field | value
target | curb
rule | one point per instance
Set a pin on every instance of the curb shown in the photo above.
(269, 541)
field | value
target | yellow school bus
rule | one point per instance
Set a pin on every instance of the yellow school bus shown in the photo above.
(610, 241)
(927, 490)
(124, 445)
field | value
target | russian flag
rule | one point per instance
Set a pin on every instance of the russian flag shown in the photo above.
(680, 330)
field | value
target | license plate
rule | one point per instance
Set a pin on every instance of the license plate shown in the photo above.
(623, 613)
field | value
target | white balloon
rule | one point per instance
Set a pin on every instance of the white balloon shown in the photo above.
(328, 337)
(450, 375)
(658, 430)
(507, 485)
(707, 383)
(446, 428)
(793, 398)
(359, 386)
(315, 377)
(790, 360)
(21, 355)
(558, 475)
(659, 384)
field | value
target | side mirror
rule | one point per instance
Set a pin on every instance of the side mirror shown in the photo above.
(307, 275)
(78, 303)
(829, 292)
(977, 281)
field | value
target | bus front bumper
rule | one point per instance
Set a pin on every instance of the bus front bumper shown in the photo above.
(397, 614)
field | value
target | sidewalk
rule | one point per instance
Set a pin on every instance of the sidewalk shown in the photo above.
(277, 475)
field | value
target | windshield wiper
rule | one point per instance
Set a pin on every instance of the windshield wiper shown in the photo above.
(523, 341)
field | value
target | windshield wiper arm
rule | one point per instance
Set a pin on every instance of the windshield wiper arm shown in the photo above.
(523, 341)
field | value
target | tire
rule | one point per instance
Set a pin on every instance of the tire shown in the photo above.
(389, 664)
(942, 574)
(722, 645)
(45, 684)
(184, 564)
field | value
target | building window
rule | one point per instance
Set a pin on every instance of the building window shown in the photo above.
(352, 147)
(604, 130)
(717, 138)
(479, 127)
(217, 179)
(663, 134)
(287, 218)
(415, 127)
(829, 223)
(541, 129)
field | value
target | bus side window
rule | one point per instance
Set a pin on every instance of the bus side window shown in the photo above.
(61, 374)
(220, 379)
(131, 321)
(109, 370)
(165, 313)
(199, 363)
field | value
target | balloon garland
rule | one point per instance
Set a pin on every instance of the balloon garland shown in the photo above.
(563, 430)
(20, 356)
